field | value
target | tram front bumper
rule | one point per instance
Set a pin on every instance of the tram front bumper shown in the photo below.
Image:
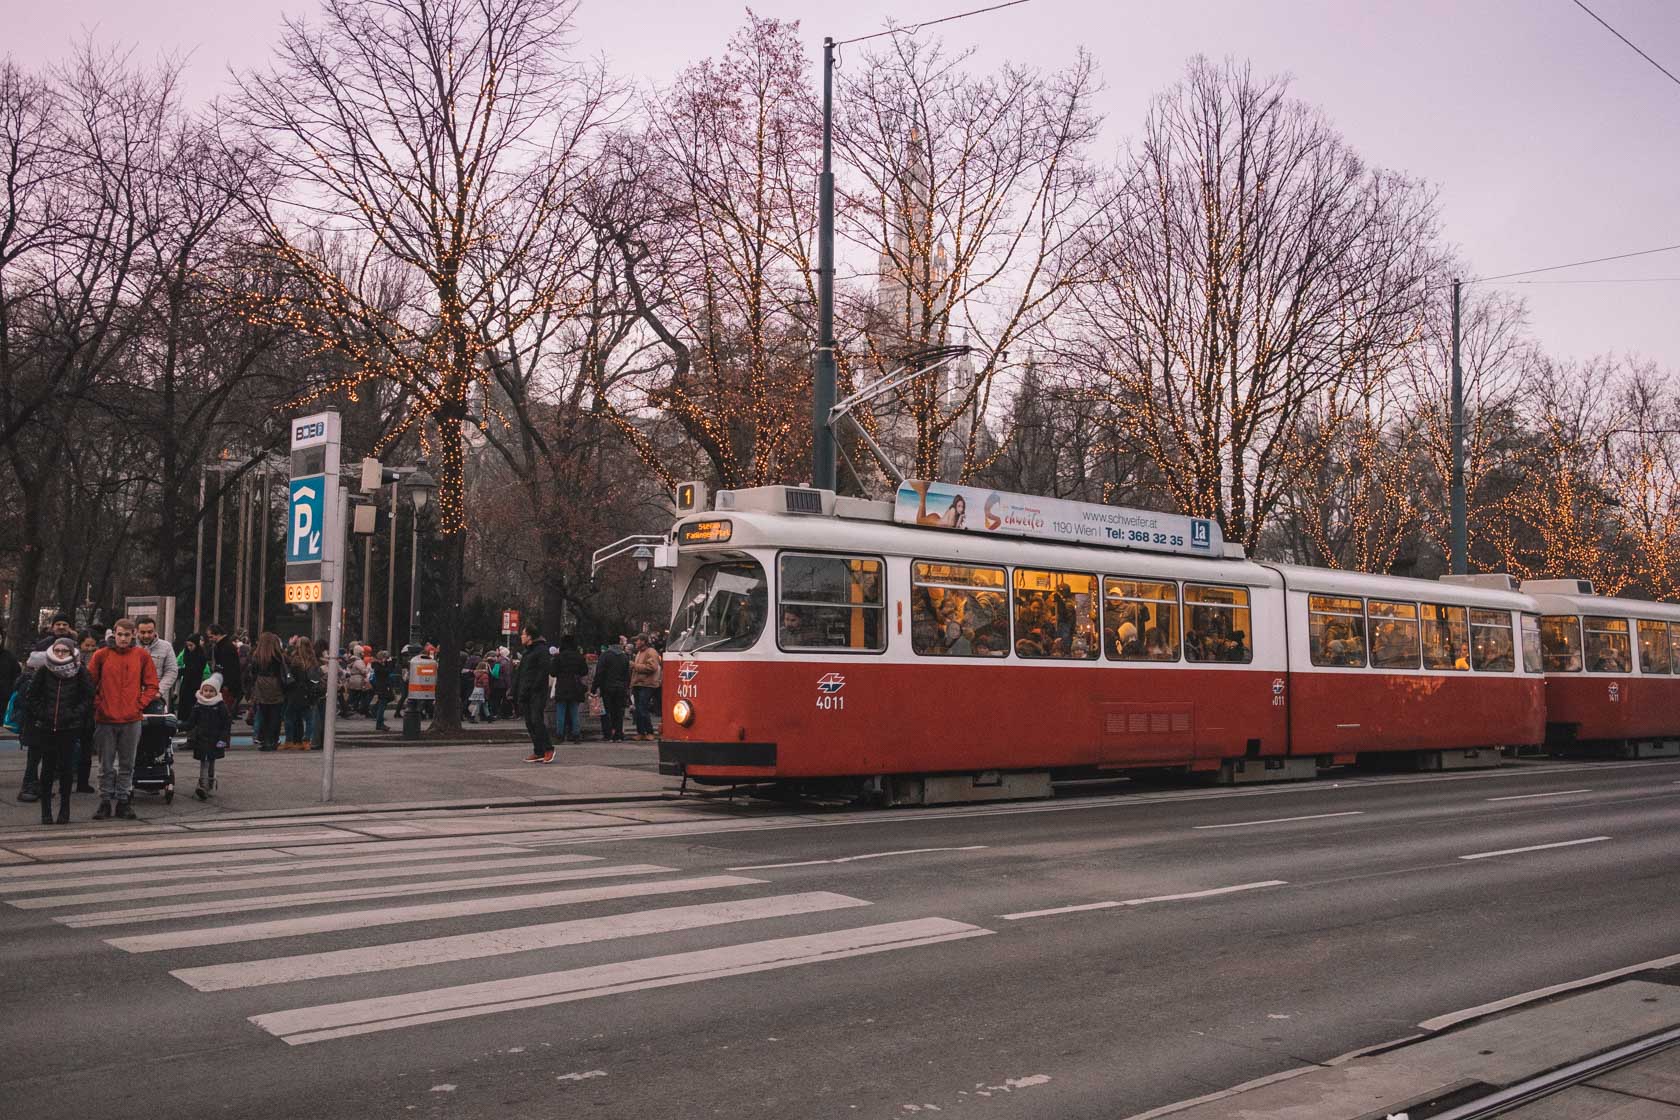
(684, 757)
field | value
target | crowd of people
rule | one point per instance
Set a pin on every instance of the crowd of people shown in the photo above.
(76, 696)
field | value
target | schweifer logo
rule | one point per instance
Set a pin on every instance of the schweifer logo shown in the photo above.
(831, 683)
(688, 670)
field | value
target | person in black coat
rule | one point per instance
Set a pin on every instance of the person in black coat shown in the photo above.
(209, 727)
(59, 705)
(568, 668)
(530, 689)
(224, 656)
(195, 655)
(612, 681)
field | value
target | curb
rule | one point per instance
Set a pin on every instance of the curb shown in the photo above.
(482, 803)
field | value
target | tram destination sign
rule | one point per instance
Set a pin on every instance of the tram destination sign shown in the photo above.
(975, 509)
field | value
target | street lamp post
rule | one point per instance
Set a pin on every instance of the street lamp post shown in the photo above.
(420, 486)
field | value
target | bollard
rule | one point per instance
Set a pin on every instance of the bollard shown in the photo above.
(411, 720)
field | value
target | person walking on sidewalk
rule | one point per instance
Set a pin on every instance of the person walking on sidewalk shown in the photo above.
(646, 673)
(124, 682)
(57, 707)
(209, 726)
(382, 677)
(612, 681)
(163, 659)
(569, 669)
(530, 689)
(270, 677)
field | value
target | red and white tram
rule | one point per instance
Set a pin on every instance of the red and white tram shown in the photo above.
(818, 638)
(1611, 666)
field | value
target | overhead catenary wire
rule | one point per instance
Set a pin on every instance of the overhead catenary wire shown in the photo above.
(1628, 41)
(913, 28)
(1573, 264)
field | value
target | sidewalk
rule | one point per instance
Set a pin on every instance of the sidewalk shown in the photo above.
(390, 775)
(1462, 1059)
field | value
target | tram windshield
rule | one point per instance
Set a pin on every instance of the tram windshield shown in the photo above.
(723, 609)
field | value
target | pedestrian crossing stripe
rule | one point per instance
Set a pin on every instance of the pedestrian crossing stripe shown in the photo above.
(425, 912)
(518, 939)
(385, 1013)
(202, 909)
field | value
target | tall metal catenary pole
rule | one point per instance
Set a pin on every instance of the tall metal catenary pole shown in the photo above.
(198, 559)
(1460, 530)
(822, 387)
(216, 595)
(391, 577)
(262, 555)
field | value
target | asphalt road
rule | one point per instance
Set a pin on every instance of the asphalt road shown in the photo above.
(1092, 957)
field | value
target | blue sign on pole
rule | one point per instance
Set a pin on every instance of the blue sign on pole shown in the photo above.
(306, 520)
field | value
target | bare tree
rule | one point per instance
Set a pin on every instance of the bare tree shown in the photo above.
(1252, 264)
(972, 192)
(710, 212)
(447, 138)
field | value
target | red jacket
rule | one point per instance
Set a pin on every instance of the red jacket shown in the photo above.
(124, 682)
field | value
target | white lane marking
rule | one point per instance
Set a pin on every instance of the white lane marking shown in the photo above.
(1535, 848)
(1453, 1018)
(1531, 796)
(211, 908)
(1108, 905)
(133, 873)
(44, 902)
(425, 912)
(854, 859)
(519, 939)
(364, 1016)
(1282, 820)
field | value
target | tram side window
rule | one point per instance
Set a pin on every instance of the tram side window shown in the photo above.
(831, 602)
(1446, 637)
(1654, 649)
(1674, 648)
(958, 611)
(1607, 644)
(1560, 638)
(1056, 615)
(1140, 620)
(1491, 648)
(1217, 624)
(1336, 630)
(1533, 660)
(1394, 634)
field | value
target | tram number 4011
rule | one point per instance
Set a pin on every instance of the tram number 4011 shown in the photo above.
(830, 703)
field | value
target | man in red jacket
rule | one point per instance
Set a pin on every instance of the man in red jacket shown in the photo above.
(124, 682)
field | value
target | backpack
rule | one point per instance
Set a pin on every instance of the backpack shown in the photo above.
(495, 670)
(14, 717)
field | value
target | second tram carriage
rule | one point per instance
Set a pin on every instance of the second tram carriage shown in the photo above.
(817, 638)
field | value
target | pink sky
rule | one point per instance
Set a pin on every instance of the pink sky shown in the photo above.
(1550, 141)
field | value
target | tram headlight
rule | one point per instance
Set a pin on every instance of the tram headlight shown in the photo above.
(683, 713)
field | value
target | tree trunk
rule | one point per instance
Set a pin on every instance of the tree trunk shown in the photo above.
(451, 498)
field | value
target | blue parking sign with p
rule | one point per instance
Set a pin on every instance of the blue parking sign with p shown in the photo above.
(306, 520)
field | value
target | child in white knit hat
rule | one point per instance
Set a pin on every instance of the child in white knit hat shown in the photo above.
(209, 727)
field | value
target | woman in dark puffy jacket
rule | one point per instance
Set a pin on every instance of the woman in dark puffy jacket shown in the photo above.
(59, 707)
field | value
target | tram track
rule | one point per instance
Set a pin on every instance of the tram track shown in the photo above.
(1503, 1101)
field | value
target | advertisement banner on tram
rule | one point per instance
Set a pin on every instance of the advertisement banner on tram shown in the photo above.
(975, 509)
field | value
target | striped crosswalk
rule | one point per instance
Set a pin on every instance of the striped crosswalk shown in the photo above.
(536, 901)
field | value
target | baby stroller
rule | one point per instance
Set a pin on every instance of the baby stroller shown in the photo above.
(154, 759)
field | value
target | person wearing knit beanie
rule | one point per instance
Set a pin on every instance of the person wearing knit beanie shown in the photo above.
(209, 727)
